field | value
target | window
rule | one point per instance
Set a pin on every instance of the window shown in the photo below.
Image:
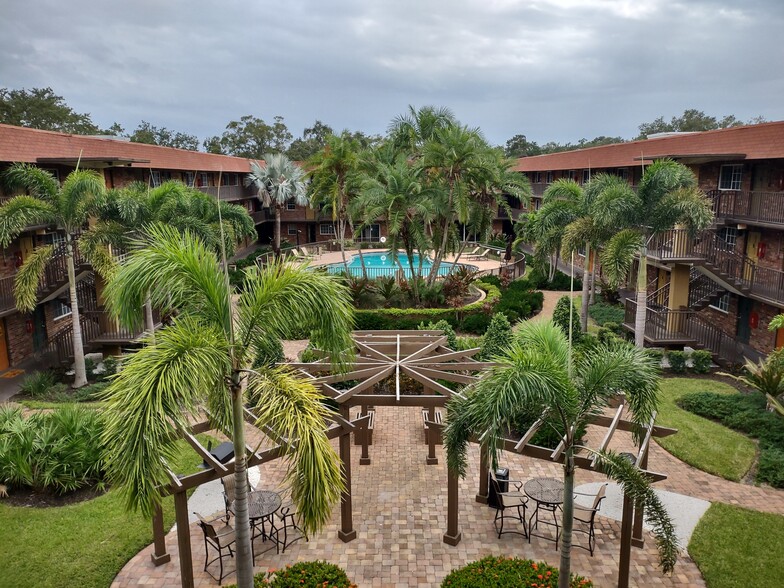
(166, 176)
(730, 176)
(623, 173)
(581, 250)
(60, 310)
(155, 178)
(371, 234)
(204, 179)
(229, 180)
(292, 230)
(536, 178)
(54, 239)
(729, 235)
(326, 229)
(571, 174)
(290, 205)
(549, 179)
(189, 178)
(586, 176)
(722, 303)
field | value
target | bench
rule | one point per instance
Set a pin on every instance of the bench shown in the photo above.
(371, 423)
(436, 419)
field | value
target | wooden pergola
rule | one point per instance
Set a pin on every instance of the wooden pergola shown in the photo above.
(421, 356)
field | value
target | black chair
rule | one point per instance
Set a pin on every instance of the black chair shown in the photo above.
(289, 531)
(220, 536)
(586, 517)
(514, 501)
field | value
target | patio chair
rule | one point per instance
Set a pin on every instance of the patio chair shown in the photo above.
(289, 531)
(586, 516)
(513, 500)
(228, 493)
(474, 251)
(479, 256)
(220, 536)
(308, 253)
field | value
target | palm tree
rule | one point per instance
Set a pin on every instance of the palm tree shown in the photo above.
(68, 207)
(335, 183)
(396, 193)
(202, 361)
(538, 374)
(409, 132)
(667, 196)
(279, 181)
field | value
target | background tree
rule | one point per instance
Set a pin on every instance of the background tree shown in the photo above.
(520, 146)
(667, 196)
(539, 375)
(278, 182)
(41, 108)
(152, 135)
(692, 120)
(311, 142)
(202, 360)
(251, 137)
(68, 207)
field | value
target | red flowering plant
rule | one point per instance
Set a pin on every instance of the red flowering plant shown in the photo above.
(507, 572)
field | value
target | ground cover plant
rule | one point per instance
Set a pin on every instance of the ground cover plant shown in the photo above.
(746, 413)
(734, 547)
(700, 442)
(508, 572)
(84, 544)
(602, 313)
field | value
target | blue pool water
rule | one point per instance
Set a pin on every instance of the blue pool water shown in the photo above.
(382, 264)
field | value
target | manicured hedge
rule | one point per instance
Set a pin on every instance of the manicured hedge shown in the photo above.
(746, 413)
(603, 313)
(502, 572)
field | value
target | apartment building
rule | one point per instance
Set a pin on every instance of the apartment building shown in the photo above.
(720, 289)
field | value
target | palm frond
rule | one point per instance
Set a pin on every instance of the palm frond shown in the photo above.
(619, 254)
(38, 182)
(149, 400)
(290, 406)
(688, 206)
(21, 212)
(81, 195)
(29, 277)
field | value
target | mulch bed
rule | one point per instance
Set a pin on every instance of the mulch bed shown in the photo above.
(27, 497)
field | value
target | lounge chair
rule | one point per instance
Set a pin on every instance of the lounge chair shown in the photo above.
(307, 253)
(479, 256)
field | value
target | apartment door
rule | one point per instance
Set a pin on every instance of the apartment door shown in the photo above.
(779, 338)
(744, 316)
(753, 239)
(4, 363)
(39, 328)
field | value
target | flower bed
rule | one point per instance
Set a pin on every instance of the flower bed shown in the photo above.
(304, 574)
(502, 572)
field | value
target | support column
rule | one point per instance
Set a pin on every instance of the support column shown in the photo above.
(184, 539)
(637, 537)
(453, 534)
(432, 435)
(159, 555)
(678, 296)
(626, 542)
(347, 532)
(364, 459)
(483, 494)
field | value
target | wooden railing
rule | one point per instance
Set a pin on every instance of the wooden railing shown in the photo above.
(764, 207)
(701, 289)
(229, 192)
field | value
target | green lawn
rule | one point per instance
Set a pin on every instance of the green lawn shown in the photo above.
(736, 547)
(84, 544)
(700, 442)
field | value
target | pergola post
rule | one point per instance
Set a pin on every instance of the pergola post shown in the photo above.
(432, 435)
(159, 555)
(626, 542)
(453, 534)
(184, 538)
(347, 532)
(638, 540)
(364, 435)
(482, 495)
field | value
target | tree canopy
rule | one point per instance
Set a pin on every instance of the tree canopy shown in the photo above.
(41, 108)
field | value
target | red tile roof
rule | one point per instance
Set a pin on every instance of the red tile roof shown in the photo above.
(763, 141)
(18, 144)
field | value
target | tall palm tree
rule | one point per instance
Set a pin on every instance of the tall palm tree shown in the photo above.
(202, 360)
(279, 181)
(410, 131)
(538, 374)
(397, 193)
(68, 207)
(335, 182)
(667, 196)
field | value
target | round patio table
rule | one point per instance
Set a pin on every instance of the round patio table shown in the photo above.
(548, 493)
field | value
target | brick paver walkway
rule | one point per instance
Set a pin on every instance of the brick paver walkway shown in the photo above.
(400, 517)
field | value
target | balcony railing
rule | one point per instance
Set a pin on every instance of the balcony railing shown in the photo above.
(755, 206)
(7, 300)
(229, 192)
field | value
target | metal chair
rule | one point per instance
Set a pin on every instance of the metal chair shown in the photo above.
(220, 536)
(513, 500)
(587, 516)
(289, 517)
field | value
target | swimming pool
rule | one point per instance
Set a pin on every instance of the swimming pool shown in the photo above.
(381, 264)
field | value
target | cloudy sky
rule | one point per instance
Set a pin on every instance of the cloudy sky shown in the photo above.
(550, 69)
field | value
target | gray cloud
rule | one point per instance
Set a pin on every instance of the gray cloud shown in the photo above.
(552, 69)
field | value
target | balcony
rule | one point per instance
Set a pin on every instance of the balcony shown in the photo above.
(229, 192)
(765, 209)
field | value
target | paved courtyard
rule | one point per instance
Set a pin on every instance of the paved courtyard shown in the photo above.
(400, 517)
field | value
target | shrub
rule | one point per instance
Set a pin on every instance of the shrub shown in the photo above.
(561, 317)
(502, 572)
(494, 280)
(538, 279)
(304, 574)
(603, 313)
(476, 323)
(677, 361)
(268, 353)
(607, 335)
(39, 384)
(442, 325)
(701, 361)
(771, 467)
(656, 354)
(59, 451)
(497, 337)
